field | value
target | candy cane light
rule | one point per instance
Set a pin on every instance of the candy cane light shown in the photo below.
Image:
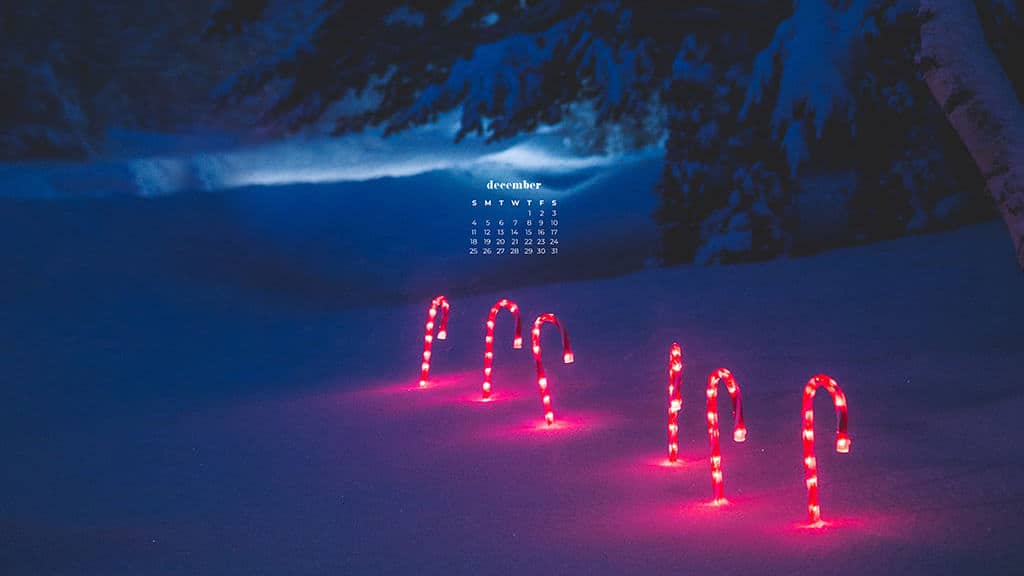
(438, 303)
(842, 438)
(567, 357)
(517, 339)
(675, 399)
(739, 433)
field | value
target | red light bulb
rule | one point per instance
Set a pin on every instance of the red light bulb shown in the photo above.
(439, 303)
(517, 341)
(675, 399)
(842, 437)
(567, 357)
(739, 433)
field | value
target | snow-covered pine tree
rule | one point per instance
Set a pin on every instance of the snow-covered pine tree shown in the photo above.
(692, 184)
(722, 199)
(914, 176)
(43, 113)
(832, 80)
(72, 70)
(509, 67)
(841, 86)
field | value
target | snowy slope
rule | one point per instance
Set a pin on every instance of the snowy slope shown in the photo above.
(380, 241)
(160, 429)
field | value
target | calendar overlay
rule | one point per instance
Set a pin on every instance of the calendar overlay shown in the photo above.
(514, 219)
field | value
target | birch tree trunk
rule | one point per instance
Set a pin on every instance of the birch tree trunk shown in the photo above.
(967, 80)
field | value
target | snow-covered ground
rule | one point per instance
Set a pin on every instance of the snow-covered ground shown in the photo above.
(154, 424)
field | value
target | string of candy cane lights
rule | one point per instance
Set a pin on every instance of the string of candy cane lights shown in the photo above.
(567, 357)
(517, 339)
(439, 303)
(739, 433)
(842, 438)
(675, 399)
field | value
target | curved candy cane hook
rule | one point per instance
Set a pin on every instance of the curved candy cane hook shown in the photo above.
(567, 357)
(517, 340)
(441, 303)
(842, 438)
(675, 399)
(739, 433)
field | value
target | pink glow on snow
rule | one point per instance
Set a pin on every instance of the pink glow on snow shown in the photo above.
(447, 383)
(651, 518)
(652, 474)
(660, 462)
(494, 398)
(519, 428)
(666, 463)
(832, 524)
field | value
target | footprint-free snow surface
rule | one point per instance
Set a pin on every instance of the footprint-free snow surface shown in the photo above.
(161, 430)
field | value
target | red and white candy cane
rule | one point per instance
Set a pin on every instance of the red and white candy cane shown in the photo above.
(567, 357)
(842, 438)
(675, 399)
(517, 339)
(441, 303)
(739, 433)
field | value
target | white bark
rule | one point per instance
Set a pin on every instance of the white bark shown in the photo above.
(967, 80)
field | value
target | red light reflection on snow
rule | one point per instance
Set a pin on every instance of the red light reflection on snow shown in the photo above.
(573, 425)
(443, 389)
(832, 525)
(492, 398)
(663, 463)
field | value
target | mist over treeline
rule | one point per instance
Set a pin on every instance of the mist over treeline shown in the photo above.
(787, 126)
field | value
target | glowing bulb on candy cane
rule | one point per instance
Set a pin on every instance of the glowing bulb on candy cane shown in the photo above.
(675, 399)
(567, 357)
(439, 303)
(842, 437)
(517, 340)
(739, 433)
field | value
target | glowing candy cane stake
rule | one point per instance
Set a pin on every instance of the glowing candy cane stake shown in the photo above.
(675, 399)
(739, 433)
(842, 438)
(517, 340)
(567, 357)
(428, 339)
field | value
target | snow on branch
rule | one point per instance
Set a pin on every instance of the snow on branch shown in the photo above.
(505, 86)
(808, 68)
(506, 68)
